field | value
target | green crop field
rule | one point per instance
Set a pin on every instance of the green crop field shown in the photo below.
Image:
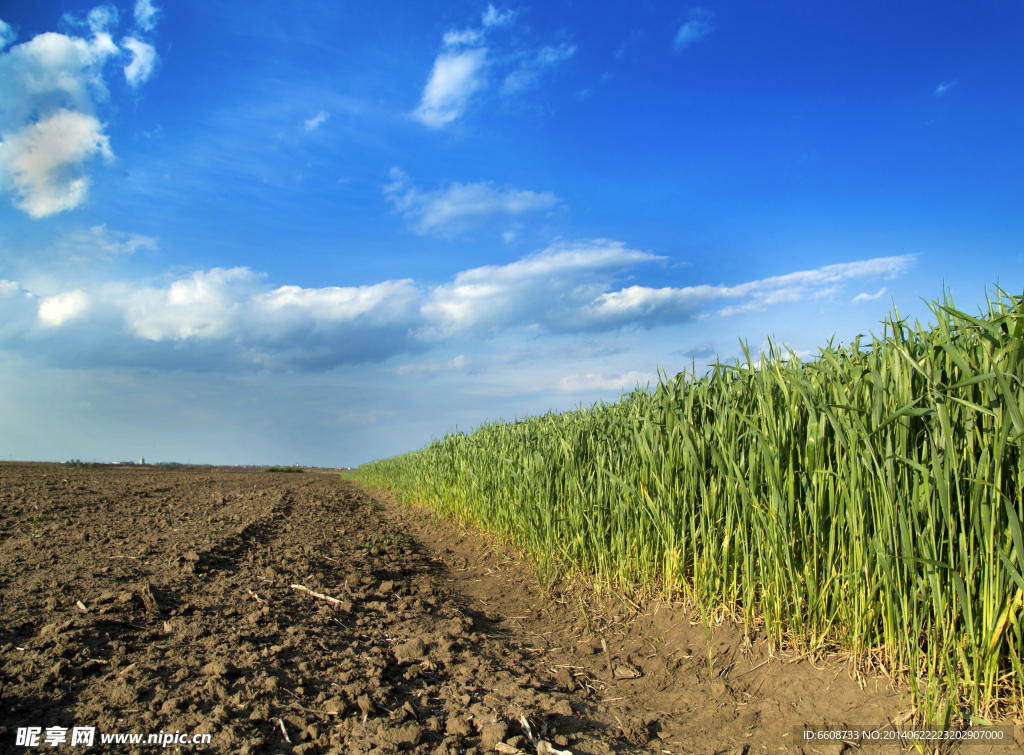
(869, 497)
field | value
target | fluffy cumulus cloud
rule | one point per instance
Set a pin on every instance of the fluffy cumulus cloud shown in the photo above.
(50, 90)
(700, 25)
(463, 67)
(551, 289)
(460, 207)
(233, 317)
(62, 308)
(43, 162)
(204, 305)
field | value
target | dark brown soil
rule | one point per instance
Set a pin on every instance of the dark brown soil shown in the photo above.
(138, 599)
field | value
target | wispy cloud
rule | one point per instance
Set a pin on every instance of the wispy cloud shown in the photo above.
(867, 297)
(527, 75)
(458, 72)
(145, 15)
(98, 20)
(455, 78)
(316, 121)
(463, 67)
(101, 243)
(700, 25)
(944, 87)
(494, 17)
(653, 306)
(233, 318)
(588, 383)
(50, 132)
(634, 36)
(7, 34)
(460, 207)
(143, 62)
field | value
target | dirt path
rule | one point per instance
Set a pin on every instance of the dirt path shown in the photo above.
(434, 642)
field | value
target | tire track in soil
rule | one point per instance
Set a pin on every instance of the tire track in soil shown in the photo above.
(438, 642)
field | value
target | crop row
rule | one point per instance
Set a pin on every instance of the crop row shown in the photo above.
(870, 496)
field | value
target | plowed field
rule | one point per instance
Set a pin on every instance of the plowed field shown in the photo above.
(298, 613)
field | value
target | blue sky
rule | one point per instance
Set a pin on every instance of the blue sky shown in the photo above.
(326, 233)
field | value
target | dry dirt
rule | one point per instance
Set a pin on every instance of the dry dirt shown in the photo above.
(142, 599)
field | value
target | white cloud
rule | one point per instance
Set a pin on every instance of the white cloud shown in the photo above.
(455, 78)
(316, 121)
(145, 15)
(493, 17)
(462, 67)
(9, 288)
(44, 162)
(204, 305)
(63, 308)
(382, 303)
(551, 289)
(943, 87)
(101, 18)
(460, 207)
(605, 382)
(867, 297)
(527, 75)
(651, 306)
(144, 60)
(463, 38)
(232, 318)
(7, 34)
(52, 72)
(100, 243)
(700, 25)
(50, 87)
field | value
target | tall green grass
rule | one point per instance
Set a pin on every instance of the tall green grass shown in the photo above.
(870, 496)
